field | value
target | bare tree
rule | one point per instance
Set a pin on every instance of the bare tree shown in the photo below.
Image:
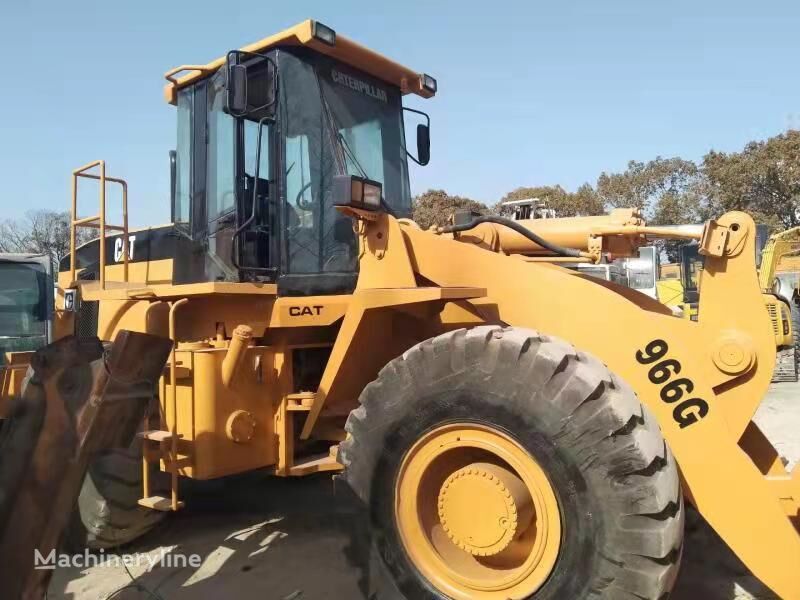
(40, 232)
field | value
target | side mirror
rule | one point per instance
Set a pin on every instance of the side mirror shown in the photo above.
(423, 156)
(251, 87)
(423, 144)
(237, 90)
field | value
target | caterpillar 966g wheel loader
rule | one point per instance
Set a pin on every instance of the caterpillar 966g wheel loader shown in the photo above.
(513, 429)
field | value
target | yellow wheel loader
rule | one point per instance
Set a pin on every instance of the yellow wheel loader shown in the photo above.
(511, 428)
(682, 295)
(779, 256)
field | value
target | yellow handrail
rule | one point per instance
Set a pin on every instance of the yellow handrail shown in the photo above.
(98, 221)
(170, 75)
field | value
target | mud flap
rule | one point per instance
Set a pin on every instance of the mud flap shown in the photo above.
(80, 400)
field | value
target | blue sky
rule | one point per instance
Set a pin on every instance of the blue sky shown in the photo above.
(531, 93)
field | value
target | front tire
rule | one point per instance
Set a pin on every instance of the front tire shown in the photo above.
(619, 514)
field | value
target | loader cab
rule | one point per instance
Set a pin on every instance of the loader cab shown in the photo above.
(259, 142)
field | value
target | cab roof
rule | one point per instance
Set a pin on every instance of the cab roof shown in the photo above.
(302, 34)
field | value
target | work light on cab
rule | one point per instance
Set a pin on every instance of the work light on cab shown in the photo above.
(428, 83)
(323, 33)
(357, 192)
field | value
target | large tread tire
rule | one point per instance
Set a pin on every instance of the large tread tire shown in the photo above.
(108, 514)
(615, 479)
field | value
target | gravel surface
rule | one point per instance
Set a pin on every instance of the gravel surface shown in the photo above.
(270, 539)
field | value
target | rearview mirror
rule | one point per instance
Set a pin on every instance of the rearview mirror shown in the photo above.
(237, 90)
(423, 139)
(252, 84)
(423, 144)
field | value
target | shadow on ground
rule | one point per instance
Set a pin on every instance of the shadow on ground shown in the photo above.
(257, 536)
(274, 539)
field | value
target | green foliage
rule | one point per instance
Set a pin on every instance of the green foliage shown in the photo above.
(763, 179)
(436, 207)
(666, 190)
(585, 201)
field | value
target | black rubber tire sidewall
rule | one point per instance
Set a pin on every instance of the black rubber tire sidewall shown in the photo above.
(581, 513)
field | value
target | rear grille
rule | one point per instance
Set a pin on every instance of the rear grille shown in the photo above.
(775, 317)
(87, 317)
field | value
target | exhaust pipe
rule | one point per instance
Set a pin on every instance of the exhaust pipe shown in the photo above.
(240, 340)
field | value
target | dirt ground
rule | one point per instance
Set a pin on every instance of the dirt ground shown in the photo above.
(270, 539)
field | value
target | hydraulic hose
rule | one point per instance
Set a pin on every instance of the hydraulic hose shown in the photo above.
(520, 229)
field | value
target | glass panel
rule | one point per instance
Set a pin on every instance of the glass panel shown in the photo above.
(641, 277)
(181, 210)
(366, 142)
(250, 142)
(368, 116)
(23, 306)
(221, 191)
(298, 184)
(335, 122)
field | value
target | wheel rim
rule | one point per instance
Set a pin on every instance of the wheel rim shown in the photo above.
(476, 513)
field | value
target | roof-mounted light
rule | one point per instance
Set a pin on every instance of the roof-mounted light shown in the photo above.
(323, 33)
(357, 192)
(428, 83)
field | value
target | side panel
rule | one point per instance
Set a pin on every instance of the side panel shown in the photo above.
(211, 415)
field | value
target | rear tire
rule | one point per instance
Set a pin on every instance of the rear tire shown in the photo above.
(108, 514)
(614, 478)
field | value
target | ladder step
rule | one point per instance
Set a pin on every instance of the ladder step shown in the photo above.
(297, 408)
(181, 372)
(180, 463)
(161, 503)
(301, 401)
(157, 435)
(315, 464)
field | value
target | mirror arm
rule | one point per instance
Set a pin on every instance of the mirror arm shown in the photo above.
(419, 112)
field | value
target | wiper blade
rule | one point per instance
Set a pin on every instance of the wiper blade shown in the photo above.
(343, 149)
(349, 151)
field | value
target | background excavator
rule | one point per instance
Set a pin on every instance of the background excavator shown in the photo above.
(510, 428)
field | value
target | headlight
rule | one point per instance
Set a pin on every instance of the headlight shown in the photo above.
(357, 192)
(428, 82)
(323, 33)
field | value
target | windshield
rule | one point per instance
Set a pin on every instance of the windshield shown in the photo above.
(24, 306)
(334, 121)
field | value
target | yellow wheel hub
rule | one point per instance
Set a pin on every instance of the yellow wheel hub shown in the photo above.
(498, 492)
(476, 514)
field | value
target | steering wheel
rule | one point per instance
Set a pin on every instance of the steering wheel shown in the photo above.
(300, 203)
